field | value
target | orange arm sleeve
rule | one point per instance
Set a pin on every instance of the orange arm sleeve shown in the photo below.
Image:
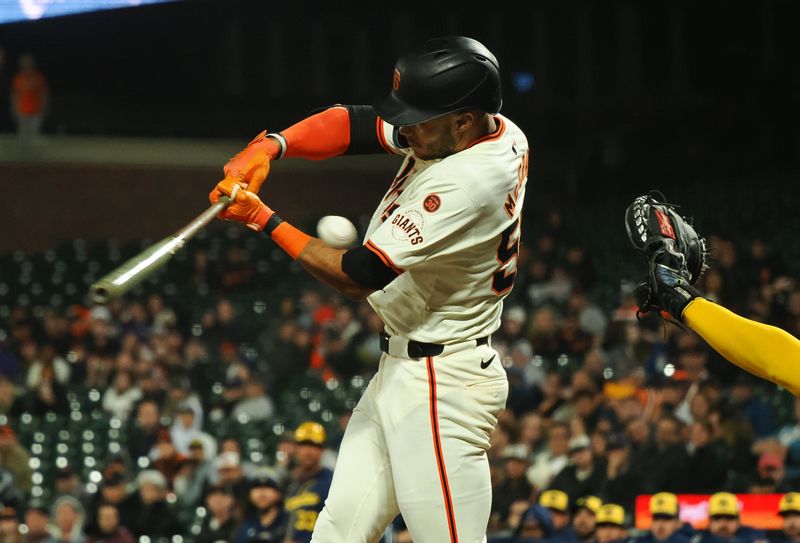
(320, 136)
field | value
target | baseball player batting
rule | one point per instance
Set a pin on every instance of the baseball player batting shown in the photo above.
(437, 260)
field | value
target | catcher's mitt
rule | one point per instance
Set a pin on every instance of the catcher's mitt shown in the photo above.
(653, 227)
(676, 255)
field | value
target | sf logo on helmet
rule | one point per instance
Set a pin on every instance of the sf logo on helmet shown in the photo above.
(396, 80)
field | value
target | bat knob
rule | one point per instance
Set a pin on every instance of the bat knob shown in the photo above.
(99, 294)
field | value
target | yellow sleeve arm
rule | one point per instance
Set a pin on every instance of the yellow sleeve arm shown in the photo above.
(763, 350)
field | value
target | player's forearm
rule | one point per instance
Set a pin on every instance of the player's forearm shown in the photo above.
(320, 260)
(325, 263)
(765, 351)
(333, 132)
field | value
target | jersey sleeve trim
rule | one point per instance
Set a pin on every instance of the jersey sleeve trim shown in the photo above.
(390, 139)
(496, 135)
(384, 257)
(382, 136)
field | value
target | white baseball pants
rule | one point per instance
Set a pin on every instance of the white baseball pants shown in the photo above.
(416, 445)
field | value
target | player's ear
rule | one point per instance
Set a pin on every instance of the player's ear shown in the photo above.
(464, 120)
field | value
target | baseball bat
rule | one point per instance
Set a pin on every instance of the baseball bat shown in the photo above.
(143, 265)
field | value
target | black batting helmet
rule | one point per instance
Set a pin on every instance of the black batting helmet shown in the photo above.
(441, 76)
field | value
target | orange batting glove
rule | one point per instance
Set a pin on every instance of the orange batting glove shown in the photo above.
(251, 165)
(246, 207)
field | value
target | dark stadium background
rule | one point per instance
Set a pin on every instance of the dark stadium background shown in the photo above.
(698, 99)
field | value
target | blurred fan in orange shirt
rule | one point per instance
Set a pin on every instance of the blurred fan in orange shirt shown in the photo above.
(29, 97)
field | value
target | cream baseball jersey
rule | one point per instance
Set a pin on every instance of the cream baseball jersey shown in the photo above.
(450, 227)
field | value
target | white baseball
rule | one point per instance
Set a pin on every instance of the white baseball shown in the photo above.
(336, 231)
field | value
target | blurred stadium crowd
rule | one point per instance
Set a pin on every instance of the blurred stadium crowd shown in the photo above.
(209, 405)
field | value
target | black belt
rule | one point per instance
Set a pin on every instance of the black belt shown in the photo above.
(418, 349)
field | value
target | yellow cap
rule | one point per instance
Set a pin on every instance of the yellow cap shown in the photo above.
(664, 503)
(310, 432)
(723, 504)
(592, 503)
(611, 513)
(790, 503)
(554, 499)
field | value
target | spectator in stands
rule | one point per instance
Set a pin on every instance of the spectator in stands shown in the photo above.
(165, 457)
(664, 458)
(754, 408)
(548, 463)
(187, 428)
(67, 483)
(584, 518)
(706, 459)
(179, 395)
(9, 525)
(611, 523)
(622, 481)
(47, 395)
(10, 401)
(114, 487)
(120, 398)
(220, 523)
(255, 405)
(585, 474)
(512, 328)
(502, 531)
(30, 98)
(630, 353)
(204, 276)
(531, 432)
(237, 272)
(148, 511)
(67, 521)
(285, 458)
(267, 519)
(230, 473)
(666, 525)
(514, 485)
(109, 528)
(220, 325)
(590, 407)
(47, 359)
(557, 503)
(789, 510)
(249, 469)
(310, 483)
(193, 475)
(113, 490)
(536, 525)
(769, 477)
(144, 431)
(163, 318)
(724, 524)
(15, 459)
(36, 520)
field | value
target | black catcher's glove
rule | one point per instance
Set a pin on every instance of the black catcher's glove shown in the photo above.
(676, 255)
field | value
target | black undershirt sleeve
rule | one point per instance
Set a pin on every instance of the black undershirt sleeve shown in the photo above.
(363, 133)
(365, 268)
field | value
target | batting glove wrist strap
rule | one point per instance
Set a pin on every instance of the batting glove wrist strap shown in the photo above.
(281, 141)
(272, 224)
